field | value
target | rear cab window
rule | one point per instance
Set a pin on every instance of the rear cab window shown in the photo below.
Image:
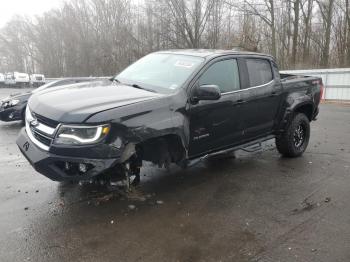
(259, 70)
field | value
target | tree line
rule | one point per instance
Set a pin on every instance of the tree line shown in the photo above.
(101, 37)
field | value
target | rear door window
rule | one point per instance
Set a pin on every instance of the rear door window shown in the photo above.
(259, 71)
(224, 74)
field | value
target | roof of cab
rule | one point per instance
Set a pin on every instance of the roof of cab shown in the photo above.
(211, 53)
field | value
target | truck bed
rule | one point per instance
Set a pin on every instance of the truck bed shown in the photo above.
(285, 77)
(289, 80)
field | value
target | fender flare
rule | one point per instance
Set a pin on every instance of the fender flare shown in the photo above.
(293, 103)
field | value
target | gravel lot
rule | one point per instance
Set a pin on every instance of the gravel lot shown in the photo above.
(257, 207)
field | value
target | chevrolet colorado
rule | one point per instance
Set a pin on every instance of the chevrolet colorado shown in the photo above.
(168, 107)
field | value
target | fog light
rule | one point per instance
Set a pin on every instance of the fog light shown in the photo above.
(82, 168)
(11, 116)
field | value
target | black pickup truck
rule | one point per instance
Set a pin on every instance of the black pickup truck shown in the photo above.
(168, 107)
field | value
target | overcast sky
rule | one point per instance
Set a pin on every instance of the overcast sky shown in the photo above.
(24, 7)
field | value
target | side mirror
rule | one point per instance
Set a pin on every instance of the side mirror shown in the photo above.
(206, 92)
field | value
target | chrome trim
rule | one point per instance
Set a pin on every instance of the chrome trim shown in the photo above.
(81, 126)
(40, 134)
(40, 127)
(253, 87)
(34, 140)
(45, 129)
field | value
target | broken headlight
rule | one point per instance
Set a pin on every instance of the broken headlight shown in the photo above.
(81, 135)
(10, 103)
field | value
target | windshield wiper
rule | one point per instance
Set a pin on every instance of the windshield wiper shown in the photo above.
(114, 79)
(143, 88)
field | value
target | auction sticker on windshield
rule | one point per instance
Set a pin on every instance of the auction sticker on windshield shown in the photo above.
(185, 64)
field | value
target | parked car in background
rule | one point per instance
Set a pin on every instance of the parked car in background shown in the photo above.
(37, 80)
(13, 108)
(2, 80)
(168, 107)
(16, 79)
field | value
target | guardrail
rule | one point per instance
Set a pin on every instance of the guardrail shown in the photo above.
(336, 81)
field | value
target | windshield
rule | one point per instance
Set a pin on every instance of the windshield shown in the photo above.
(160, 71)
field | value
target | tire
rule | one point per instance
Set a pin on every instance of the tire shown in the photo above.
(295, 139)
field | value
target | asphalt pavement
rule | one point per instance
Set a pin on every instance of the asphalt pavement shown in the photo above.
(255, 207)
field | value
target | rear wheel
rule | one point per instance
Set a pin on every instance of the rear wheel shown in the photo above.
(295, 139)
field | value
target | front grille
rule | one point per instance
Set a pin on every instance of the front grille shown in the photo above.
(46, 140)
(41, 129)
(45, 120)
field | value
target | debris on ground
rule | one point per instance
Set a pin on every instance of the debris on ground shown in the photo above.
(26, 208)
(105, 198)
(159, 202)
(136, 195)
(327, 199)
(36, 191)
(307, 206)
(112, 221)
(131, 207)
(313, 250)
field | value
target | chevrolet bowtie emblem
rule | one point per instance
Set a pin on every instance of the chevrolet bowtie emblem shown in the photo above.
(34, 122)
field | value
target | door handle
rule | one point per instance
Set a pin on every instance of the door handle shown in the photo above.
(274, 94)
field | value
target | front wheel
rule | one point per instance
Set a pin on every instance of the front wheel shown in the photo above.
(294, 140)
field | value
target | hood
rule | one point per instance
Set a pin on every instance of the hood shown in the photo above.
(75, 103)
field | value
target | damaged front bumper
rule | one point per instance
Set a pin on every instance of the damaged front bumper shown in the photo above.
(62, 168)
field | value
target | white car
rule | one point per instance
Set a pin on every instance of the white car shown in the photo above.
(17, 79)
(37, 80)
(2, 80)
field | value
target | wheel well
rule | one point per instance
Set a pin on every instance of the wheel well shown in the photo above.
(305, 109)
(162, 150)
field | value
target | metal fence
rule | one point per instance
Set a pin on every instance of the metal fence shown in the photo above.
(336, 81)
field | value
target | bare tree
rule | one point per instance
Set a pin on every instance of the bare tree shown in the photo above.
(296, 8)
(101, 37)
(326, 9)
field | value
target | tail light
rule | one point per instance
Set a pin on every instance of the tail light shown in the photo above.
(322, 90)
(319, 82)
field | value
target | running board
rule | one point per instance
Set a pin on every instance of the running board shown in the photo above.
(249, 147)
